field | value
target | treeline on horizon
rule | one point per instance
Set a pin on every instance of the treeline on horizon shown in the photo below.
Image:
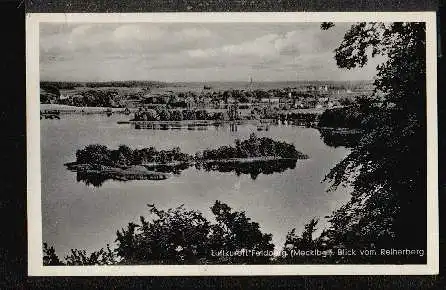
(72, 85)
(143, 83)
(95, 98)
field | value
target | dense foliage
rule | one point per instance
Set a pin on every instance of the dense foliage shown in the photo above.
(81, 257)
(47, 97)
(94, 98)
(96, 163)
(387, 169)
(49, 93)
(353, 116)
(179, 236)
(163, 114)
(49, 256)
(335, 137)
(304, 243)
(254, 147)
(125, 156)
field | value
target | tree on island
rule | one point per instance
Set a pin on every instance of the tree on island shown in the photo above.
(254, 147)
(94, 153)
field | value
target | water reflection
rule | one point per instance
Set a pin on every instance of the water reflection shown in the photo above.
(171, 126)
(94, 179)
(233, 127)
(253, 168)
(262, 125)
(166, 168)
(97, 179)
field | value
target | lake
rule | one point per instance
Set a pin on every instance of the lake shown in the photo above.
(77, 215)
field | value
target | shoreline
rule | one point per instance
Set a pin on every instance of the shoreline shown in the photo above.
(148, 171)
(253, 159)
(67, 109)
(133, 172)
(195, 122)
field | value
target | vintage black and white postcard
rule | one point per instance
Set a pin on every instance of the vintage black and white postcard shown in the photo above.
(232, 144)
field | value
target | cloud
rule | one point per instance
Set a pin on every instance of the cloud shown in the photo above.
(125, 38)
(191, 52)
(194, 33)
(261, 46)
(132, 32)
(81, 30)
(286, 50)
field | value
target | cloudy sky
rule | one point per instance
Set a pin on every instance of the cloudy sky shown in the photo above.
(193, 52)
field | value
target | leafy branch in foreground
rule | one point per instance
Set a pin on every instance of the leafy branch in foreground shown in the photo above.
(79, 257)
(100, 257)
(178, 236)
(49, 256)
(387, 168)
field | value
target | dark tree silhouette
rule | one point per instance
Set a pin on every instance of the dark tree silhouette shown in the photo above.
(175, 236)
(179, 236)
(305, 242)
(388, 166)
(82, 258)
(49, 256)
(236, 232)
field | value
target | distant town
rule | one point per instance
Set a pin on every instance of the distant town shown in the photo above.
(156, 101)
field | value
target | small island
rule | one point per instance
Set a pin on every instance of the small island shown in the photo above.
(252, 149)
(101, 163)
(96, 163)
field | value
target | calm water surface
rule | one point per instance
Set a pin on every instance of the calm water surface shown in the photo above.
(85, 217)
